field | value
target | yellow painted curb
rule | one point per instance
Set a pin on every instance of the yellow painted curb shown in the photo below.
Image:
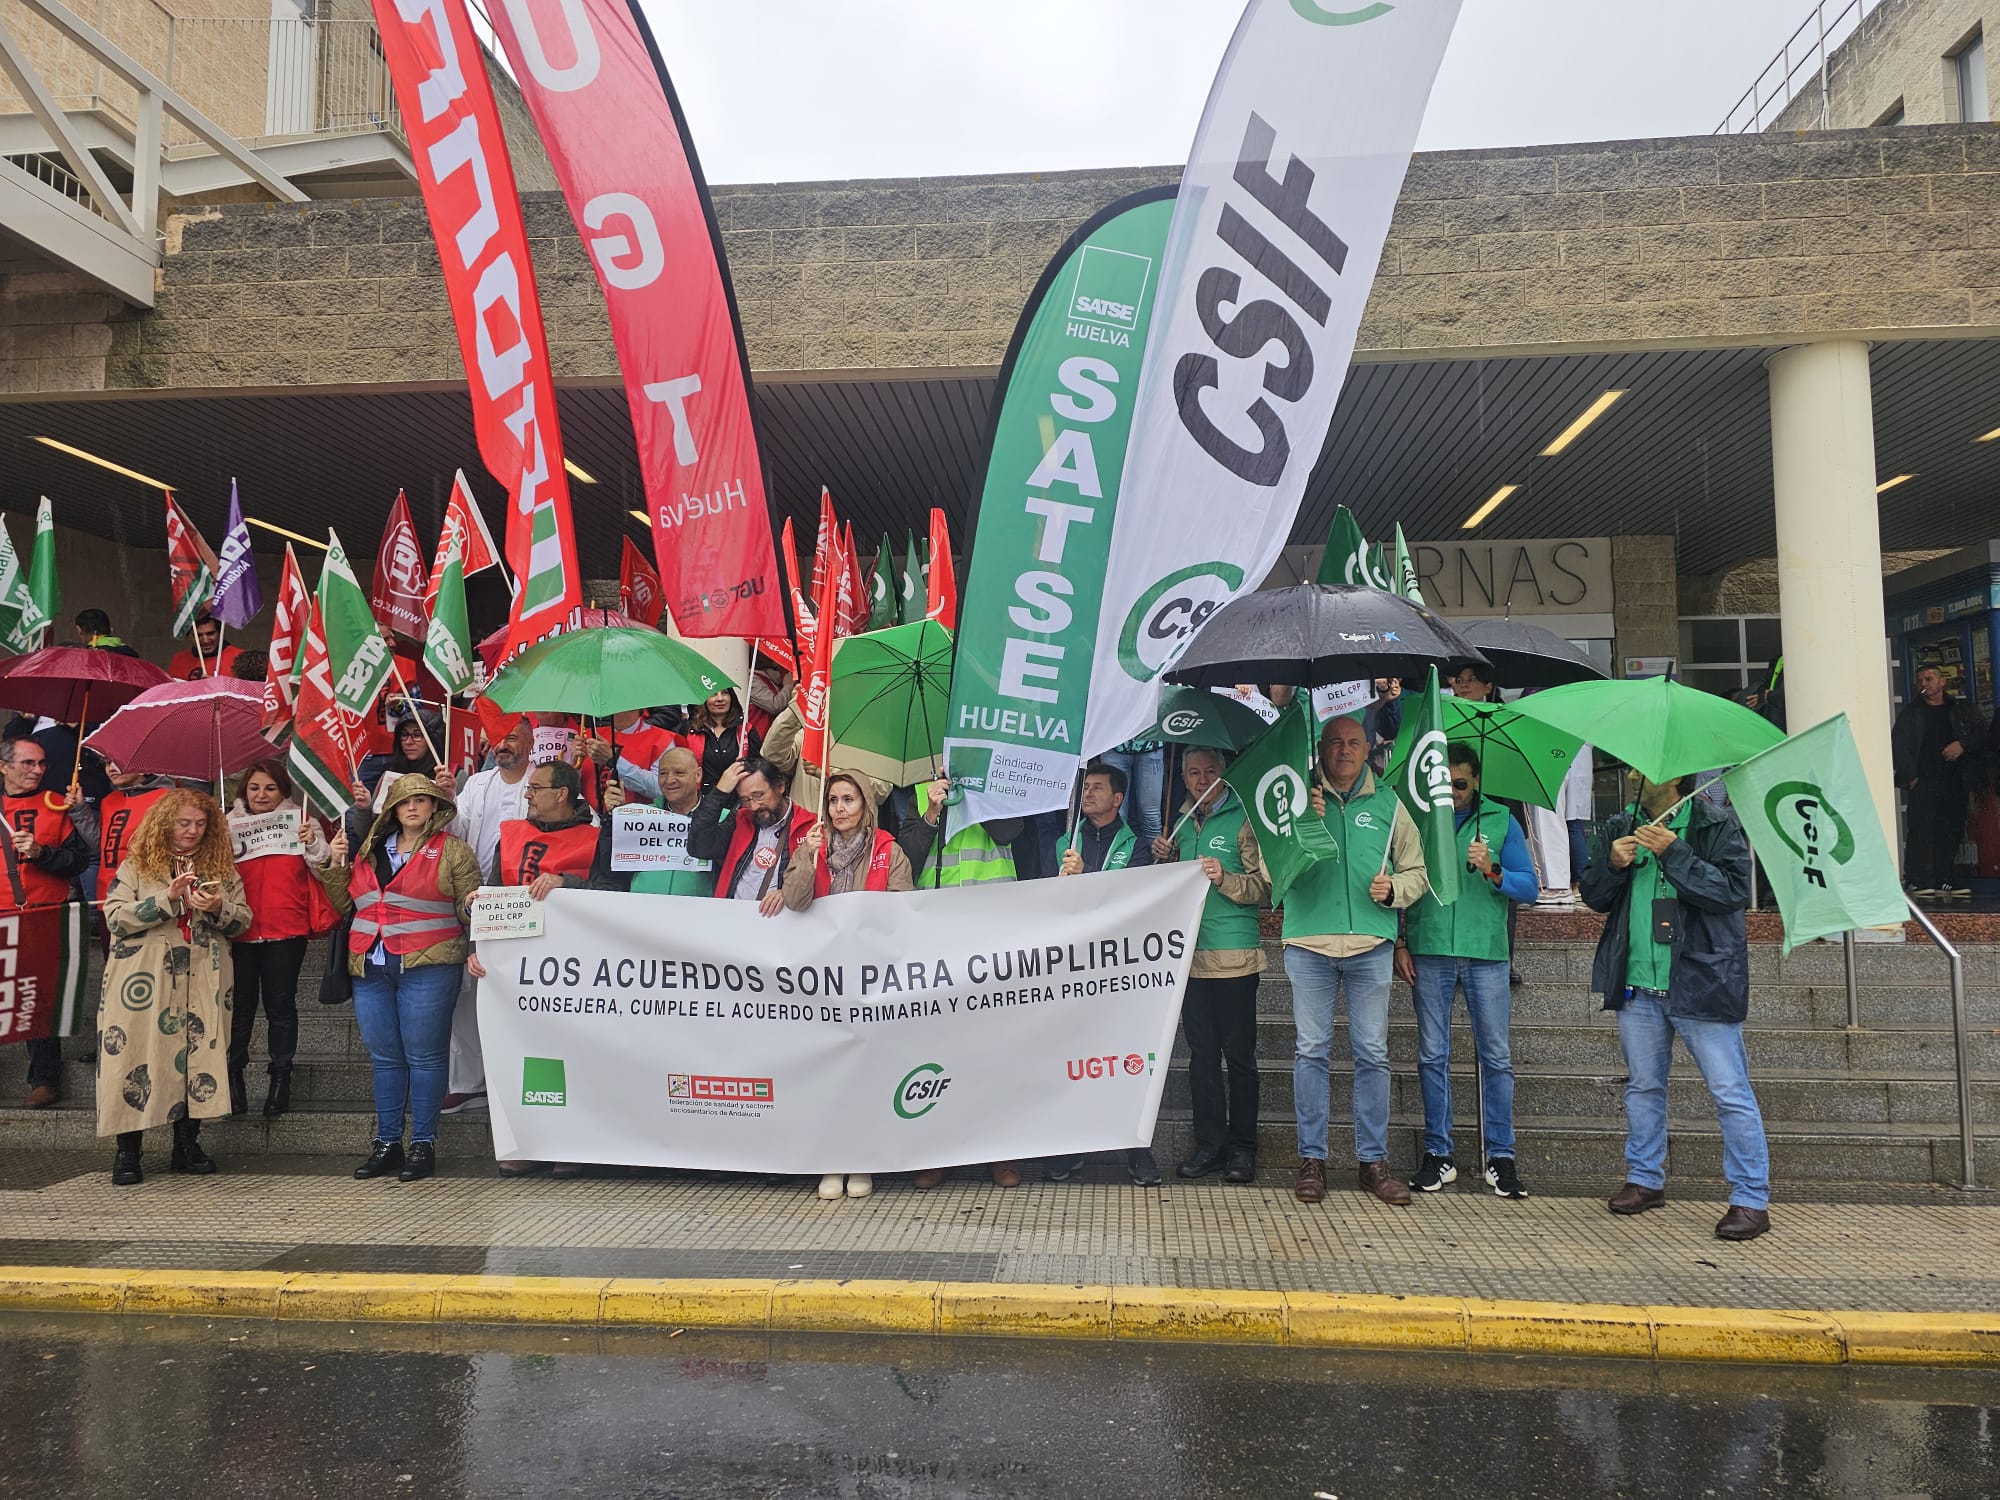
(1299, 1319)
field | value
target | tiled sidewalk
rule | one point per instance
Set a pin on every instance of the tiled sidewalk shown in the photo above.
(1939, 1255)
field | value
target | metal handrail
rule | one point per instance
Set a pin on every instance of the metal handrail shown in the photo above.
(1809, 52)
(1961, 1036)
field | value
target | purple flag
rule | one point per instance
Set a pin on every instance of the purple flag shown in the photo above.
(238, 593)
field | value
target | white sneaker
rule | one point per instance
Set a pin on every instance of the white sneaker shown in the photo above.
(833, 1185)
(859, 1184)
(1555, 898)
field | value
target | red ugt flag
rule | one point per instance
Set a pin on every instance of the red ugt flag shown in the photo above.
(638, 586)
(400, 584)
(288, 633)
(942, 604)
(813, 691)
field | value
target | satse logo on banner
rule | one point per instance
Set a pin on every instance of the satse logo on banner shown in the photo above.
(542, 1081)
(1110, 288)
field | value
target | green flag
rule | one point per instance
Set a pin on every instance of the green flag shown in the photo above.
(1347, 558)
(884, 590)
(44, 593)
(1420, 771)
(914, 600)
(355, 650)
(448, 645)
(1274, 779)
(1806, 807)
(14, 601)
(1406, 570)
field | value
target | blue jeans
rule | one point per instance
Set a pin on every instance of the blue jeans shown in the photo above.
(1316, 984)
(1646, 1036)
(1488, 1004)
(405, 1019)
(1579, 848)
(1145, 784)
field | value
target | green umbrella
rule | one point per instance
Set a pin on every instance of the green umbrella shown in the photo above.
(1520, 758)
(1196, 716)
(1657, 726)
(886, 703)
(604, 670)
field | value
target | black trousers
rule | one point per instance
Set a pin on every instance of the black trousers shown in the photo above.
(45, 1063)
(1220, 1019)
(267, 972)
(1934, 826)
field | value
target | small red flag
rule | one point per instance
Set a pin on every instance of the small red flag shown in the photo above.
(813, 691)
(288, 633)
(191, 568)
(942, 605)
(638, 586)
(828, 542)
(461, 519)
(400, 583)
(853, 587)
(802, 614)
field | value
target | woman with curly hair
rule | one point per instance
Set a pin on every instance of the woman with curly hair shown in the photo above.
(163, 1020)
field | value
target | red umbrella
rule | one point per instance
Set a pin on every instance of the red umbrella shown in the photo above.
(579, 619)
(202, 730)
(69, 683)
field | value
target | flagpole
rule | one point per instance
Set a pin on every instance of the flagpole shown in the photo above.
(403, 687)
(1193, 805)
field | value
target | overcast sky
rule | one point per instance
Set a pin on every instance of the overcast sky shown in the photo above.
(801, 90)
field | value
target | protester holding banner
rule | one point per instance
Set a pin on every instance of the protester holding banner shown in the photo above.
(1340, 926)
(409, 891)
(1219, 1009)
(43, 854)
(679, 777)
(1466, 946)
(1672, 876)
(972, 853)
(717, 734)
(277, 846)
(1102, 839)
(765, 828)
(163, 1021)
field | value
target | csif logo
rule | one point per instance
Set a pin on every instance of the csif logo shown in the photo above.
(1810, 826)
(1427, 778)
(1182, 721)
(1164, 619)
(542, 1081)
(1319, 15)
(918, 1094)
(1281, 799)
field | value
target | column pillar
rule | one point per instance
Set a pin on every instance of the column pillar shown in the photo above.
(1830, 551)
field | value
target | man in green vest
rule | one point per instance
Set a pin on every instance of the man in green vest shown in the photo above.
(1102, 839)
(1219, 1011)
(680, 792)
(1340, 929)
(973, 853)
(1465, 945)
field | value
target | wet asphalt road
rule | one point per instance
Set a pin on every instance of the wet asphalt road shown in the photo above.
(106, 1407)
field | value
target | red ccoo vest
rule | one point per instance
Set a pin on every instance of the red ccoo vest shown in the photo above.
(878, 868)
(412, 913)
(527, 851)
(118, 818)
(47, 816)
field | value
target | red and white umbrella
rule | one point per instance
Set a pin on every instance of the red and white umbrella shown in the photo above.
(198, 731)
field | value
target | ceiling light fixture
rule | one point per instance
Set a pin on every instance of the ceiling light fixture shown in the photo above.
(104, 463)
(1490, 506)
(1575, 430)
(284, 532)
(640, 516)
(581, 477)
(1890, 484)
(1987, 437)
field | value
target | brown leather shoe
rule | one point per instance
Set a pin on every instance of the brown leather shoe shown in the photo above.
(1006, 1174)
(42, 1096)
(1633, 1199)
(1311, 1186)
(1376, 1178)
(1743, 1224)
(927, 1179)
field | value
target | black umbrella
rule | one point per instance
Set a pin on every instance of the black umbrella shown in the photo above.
(1319, 633)
(1527, 656)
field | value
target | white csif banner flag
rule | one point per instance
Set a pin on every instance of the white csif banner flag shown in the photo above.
(1277, 233)
(872, 1033)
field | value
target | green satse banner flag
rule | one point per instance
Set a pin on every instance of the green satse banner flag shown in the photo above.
(1806, 807)
(1420, 771)
(354, 646)
(1028, 621)
(14, 602)
(44, 592)
(1274, 779)
(1347, 558)
(448, 647)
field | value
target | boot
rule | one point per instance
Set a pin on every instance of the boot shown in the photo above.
(279, 1101)
(188, 1155)
(384, 1158)
(239, 1098)
(125, 1165)
(422, 1162)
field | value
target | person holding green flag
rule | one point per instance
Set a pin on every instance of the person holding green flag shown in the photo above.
(1466, 946)
(1672, 876)
(1339, 934)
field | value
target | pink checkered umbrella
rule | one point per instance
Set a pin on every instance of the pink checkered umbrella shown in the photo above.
(198, 731)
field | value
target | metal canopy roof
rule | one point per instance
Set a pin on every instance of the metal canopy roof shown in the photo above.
(1686, 452)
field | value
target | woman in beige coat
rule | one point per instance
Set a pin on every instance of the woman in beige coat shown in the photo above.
(169, 987)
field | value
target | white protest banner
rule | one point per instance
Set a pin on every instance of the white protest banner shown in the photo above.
(651, 838)
(1338, 698)
(872, 1033)
(552, 742)
(506, 911)
(256, 835)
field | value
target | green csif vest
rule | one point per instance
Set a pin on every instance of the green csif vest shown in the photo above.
(1332, 895)
(1123, 842)
(1475, 925)
(1224, 924)
(969, 856)
(690, 882)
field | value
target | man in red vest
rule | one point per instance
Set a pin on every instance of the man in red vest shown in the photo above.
(43, 856)
(759, 840)
(208, 657)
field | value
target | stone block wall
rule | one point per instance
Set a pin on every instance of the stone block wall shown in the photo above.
(1900, 54)
(1645, 594)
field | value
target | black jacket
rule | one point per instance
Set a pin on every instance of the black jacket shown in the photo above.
(1906, 739)
(1710, 870)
